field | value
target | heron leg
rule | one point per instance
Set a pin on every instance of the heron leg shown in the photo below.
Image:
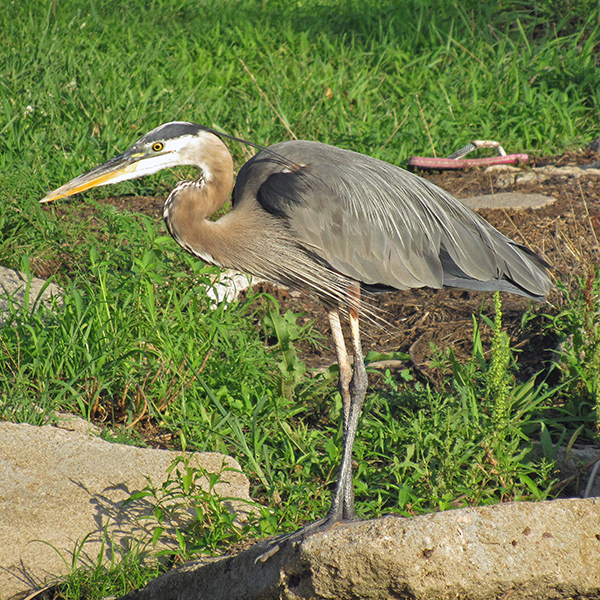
(358, 391)
(353, 387)
(343, 362)
(344, 487)
(344, 495)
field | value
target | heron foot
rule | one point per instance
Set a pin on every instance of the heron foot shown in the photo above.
(324, 524)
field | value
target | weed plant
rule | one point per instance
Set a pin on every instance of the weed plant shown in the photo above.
(464, 444)
(202, 520)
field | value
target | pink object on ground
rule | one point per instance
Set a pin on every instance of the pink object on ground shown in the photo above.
(428, 162)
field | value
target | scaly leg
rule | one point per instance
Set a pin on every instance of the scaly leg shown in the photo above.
(344, 490)
(353, 388)
(342, 506)
(343, 362)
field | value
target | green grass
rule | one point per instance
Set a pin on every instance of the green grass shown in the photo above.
(137, 337)
(82, 80)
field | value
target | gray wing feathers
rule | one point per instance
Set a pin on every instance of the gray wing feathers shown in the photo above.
(379, 224)
(363, 250)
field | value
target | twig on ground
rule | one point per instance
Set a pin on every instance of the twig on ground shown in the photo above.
(268, 101)
(426, 125)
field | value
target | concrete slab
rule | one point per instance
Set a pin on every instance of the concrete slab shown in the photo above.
(506, 200)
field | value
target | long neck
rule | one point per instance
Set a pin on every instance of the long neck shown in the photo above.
(190, 203)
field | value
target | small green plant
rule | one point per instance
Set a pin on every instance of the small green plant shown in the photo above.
(287, 331)
(188, 508)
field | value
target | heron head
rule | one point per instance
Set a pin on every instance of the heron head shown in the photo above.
(169, 145)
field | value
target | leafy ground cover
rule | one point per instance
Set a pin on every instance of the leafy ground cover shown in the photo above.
(140, 346)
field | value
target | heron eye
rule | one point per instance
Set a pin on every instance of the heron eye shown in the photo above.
(157, 146)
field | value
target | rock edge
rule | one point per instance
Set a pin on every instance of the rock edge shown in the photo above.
(546, 550)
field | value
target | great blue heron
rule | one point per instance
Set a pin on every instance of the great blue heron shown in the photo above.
(311, 216)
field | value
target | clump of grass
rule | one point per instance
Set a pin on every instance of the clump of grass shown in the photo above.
(465, 444)
(578, 328)
(124, 344)
(123, 573)
(188, 508)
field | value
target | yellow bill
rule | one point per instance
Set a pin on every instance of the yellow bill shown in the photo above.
(117, 169)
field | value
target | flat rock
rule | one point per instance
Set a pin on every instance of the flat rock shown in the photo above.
(520, 550)
(59, 489)
(228, 285)
(516, 200)
(538, 175)
(13, 285)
